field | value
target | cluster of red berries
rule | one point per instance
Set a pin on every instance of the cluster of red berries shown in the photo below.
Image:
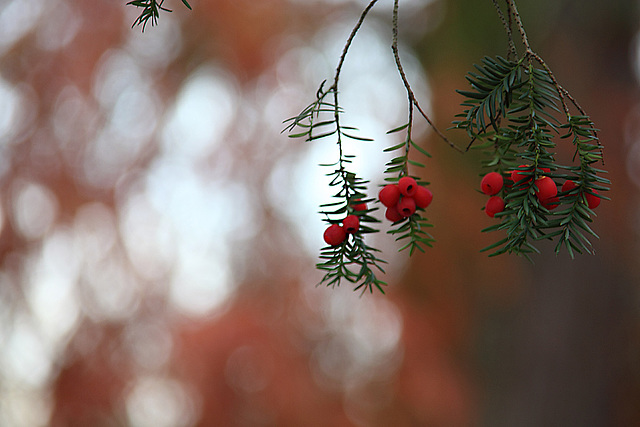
(593, 201)
(491, 185)
(545, 189)
(335, 234)
(402, 199)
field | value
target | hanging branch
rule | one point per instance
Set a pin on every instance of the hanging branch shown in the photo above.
(347, 256)
(411, 228)
(512, 110)
(321, 119)
(513, 53)
(562, 92)
(413, 101)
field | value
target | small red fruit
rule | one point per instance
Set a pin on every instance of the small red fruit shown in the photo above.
(407, 206)
(568, 186)
(551, 203)
(389, 195)
(351, 224)
(423, 197)
(491, 183)
(408, 186)
(359, 206)
(524, 171)
(545, 188)
(494, 205)
(392, 214)
(334, 235)
(520, 173)
(593, 201)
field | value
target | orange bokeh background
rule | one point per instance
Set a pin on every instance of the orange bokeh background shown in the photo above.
(158, 235)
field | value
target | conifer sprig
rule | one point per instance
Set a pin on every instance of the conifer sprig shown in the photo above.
(410, 231)
(588, 179)
(322, 119)
(151, 11)
(512, 111)
(352, 260)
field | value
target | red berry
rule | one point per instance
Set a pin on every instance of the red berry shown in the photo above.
(545, 188)
(551, 203)
(494, 205)
(351, 224)
(568, 185)
(392, 214)
(491, 183)
(423, 197)
(334, 235)
(592, 199)
(389, 195)
(520, 173)
(408, 186)
(407, 206)
(359, 206)
(525, 171)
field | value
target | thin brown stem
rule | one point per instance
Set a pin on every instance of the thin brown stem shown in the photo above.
(562, 92)
(334, 87)
(513, 11)
(507, 26)
(412, 98)
(347, 45)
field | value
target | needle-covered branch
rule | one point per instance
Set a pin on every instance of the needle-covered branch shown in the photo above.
(515, 110)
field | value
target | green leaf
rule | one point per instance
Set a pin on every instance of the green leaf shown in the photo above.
(420, 149)
(398, 129)
(394, 147)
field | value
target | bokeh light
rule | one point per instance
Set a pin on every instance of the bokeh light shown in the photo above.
(158, 231)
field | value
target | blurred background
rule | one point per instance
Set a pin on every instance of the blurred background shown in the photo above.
(159, 233)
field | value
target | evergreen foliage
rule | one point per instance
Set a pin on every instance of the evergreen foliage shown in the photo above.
(514, 110)
(353, 260)
(321, 119)
(150, 11)
(411, 231)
